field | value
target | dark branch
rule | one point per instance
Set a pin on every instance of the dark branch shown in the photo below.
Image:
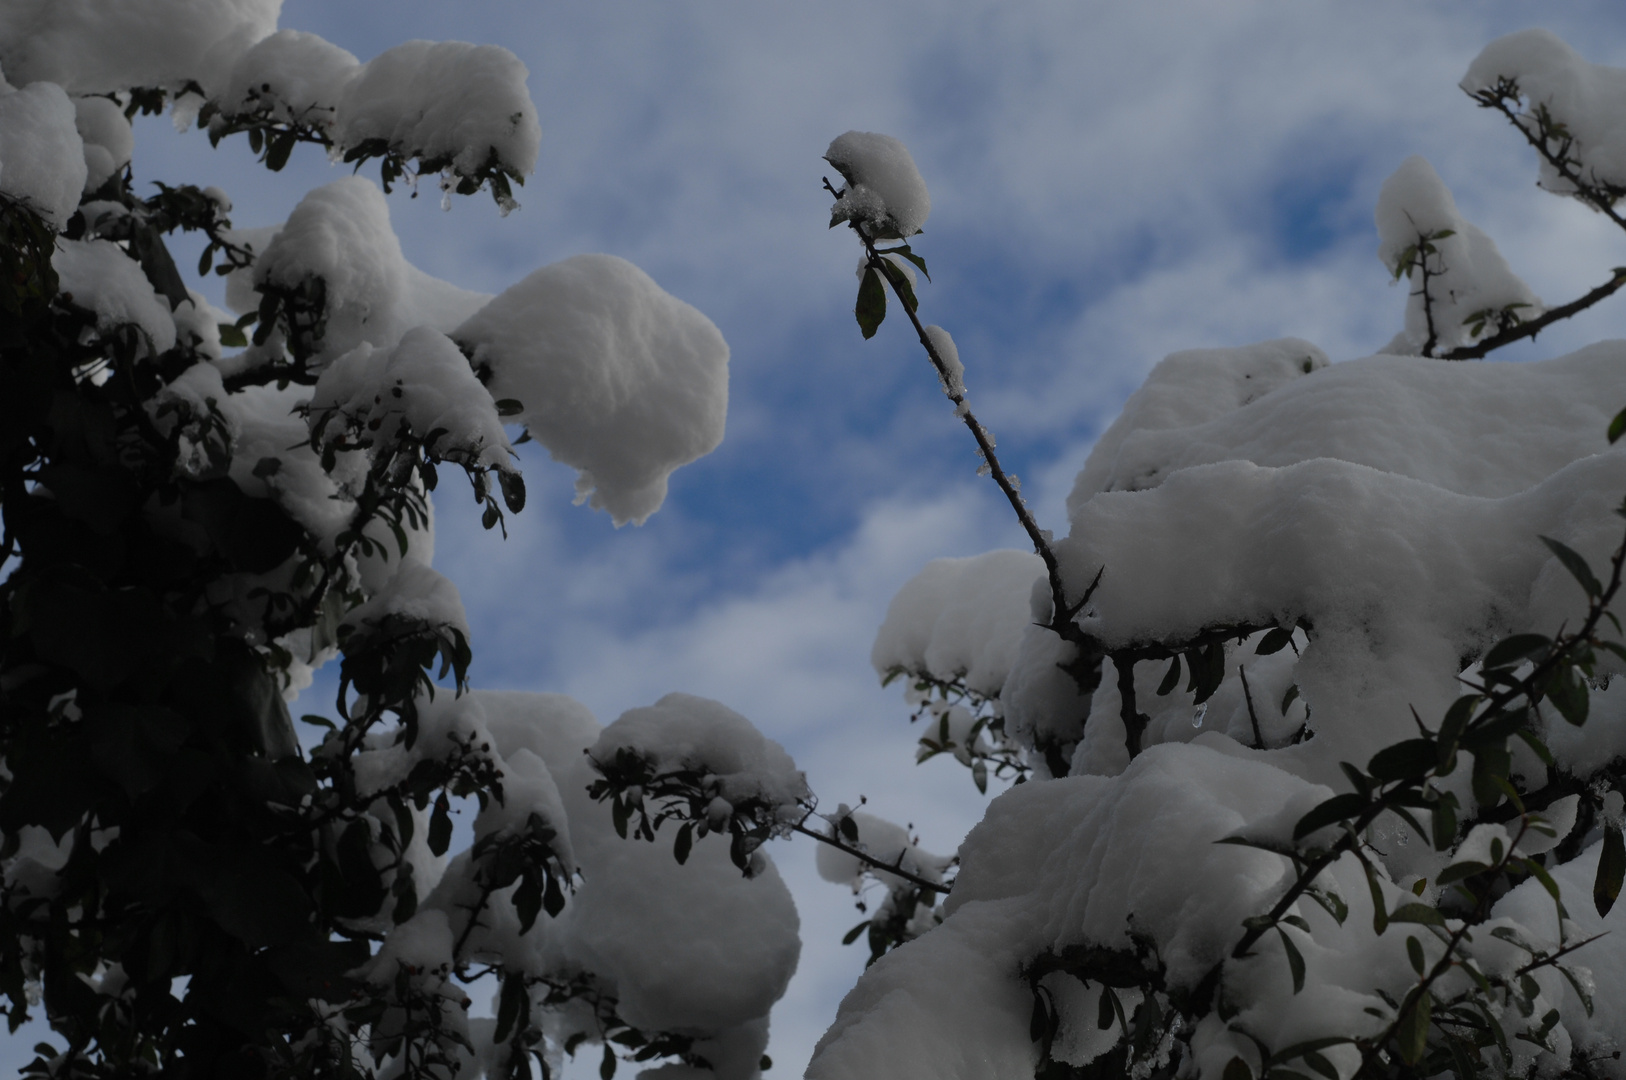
(870, 860)
(1535, 326)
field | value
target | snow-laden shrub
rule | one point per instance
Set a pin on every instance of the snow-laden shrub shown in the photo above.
(1314, 713)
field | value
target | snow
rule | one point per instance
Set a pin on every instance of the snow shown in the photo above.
(883, 840)
(91, 47)
(443, 102)
(1586, 98)
(417, 592)
(101, 278)
(1597, 1035)
(1185, 390)
(1467, 275)
(1092, 859)
(960, 619)
(885, 195)
(716, 950)
(424, 383)
(341, 233)
(949, 353)
(617, 377)
(107, 137)
(1394, 504)
(293, 76)
(42, 159)
(681, 732)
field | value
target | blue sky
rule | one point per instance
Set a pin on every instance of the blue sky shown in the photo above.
(1110, 182)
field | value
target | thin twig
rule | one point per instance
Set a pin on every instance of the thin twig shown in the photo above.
(1247, 694)
(1535, 326)
(891, 868)
(1062, 613)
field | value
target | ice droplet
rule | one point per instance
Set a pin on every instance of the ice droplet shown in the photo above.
(1197, 717)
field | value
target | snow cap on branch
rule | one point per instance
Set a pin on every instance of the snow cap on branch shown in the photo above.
(960, 618)
(104, 279)
(92, 47)
(341, 234)
(42, 158)
(1588, 100)
(1460, 286)
(681, 732)
(617, 377)
(423, 382)
(885, 195)
(108, 139)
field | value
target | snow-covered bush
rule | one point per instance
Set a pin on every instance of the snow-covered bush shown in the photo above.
(1315, 713)
(203, 506)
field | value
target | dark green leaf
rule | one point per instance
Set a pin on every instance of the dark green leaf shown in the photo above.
(1575, 564)
(440, 826)
(553, 897)
(1295, 961)
(1569, 695)
(852, 935)
(1336, 809)
(871, 306)
(1417, 913)
(905, 252)
(1412, 1035)
(849, 828)
(528, 900)
(509, 407)
(685, 840)
(278, 149)
(1321, 1065)
(1611, 871)
(1617, 426)
(1512, 650)
(1237, 1069)
(1414, 953)
(1171, 678)
(511, 1004)
(1407, 760)
(1275, 640)
(900, 284)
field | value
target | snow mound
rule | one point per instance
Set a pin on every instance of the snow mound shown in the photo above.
(697, 948)
(1034, 880)
(425, 383)
(618, 378)
(1588, 99)
(681, 732)
(1460, 286)
(91, 47)
(451, 104)
(340, 233)
(108, 140)
(42, 158)
(960, 618)
(1187, 389)
(885, 195)
(101, 278)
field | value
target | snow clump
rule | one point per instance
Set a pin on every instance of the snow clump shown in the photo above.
(885, 195)
(42, 157)
(423, 383)
(1588, 99)
(617, 378)
(960, 619)
(1461, 287)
